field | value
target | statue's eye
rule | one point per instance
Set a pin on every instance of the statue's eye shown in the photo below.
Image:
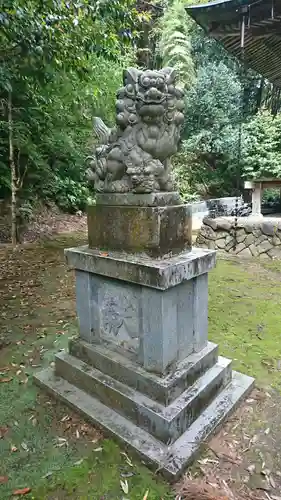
(146, 81)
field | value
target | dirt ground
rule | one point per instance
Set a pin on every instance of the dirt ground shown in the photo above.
(37, 315)
(243, 461)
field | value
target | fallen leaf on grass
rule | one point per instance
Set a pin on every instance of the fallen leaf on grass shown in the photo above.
(3, 431)
(61, 442)
(24, 447)
(205, 461)
(79, 462)
(251, 468)
(14, 448)
(23, 491)
(65, 418)
(128, 460)
(125, 487)
(6, 379)
(24, 381)
(98, 449)
(127, 474)
(4, 369)
(47, 475)
(272, 482)
(3, 479)
(146, 495)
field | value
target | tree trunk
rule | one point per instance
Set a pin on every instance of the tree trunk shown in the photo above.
(14, 180)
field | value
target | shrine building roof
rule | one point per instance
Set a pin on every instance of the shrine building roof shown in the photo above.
(223, 20)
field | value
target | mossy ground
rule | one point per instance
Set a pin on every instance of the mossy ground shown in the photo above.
(245, 315)
(58, 455)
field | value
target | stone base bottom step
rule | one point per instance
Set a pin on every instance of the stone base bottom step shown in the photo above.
(171, 460)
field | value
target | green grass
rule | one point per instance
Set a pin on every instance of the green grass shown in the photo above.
(37, 300)
(245, 317)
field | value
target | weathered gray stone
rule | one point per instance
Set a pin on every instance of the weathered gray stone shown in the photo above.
(153, 230)
(201, 240)
(160, 199)
(268, 228)
(211, 244)
(135, 156)
(245, 253)
(164, 423)
(274, 253)
(197, 315)
(221, 243)
(253, 250)
(142, 367)
(276, 241)
(223, 224)
(228, 239)
(221, 234)
(249, 240)
(261, 238)
(257, 233)
(165, 389)
(170, 326)
(249, 228)
(160, 328)
(241, 222)
(241, 236)
(239, 248)
(156, 273)
(230, 244)
(264, 256)
(208, 221)
(170, 460)
(264, 247)
(208, 232)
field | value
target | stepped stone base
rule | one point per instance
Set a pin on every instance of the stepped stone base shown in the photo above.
(142, 367)
(165, 419)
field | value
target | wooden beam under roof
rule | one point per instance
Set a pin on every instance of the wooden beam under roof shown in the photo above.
(262, 49)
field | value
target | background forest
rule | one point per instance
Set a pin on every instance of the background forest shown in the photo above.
(60, 65)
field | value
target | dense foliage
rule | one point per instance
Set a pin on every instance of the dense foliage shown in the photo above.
(60, 63)
(231, 128)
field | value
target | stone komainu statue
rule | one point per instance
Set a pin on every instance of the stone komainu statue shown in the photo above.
(135, 155)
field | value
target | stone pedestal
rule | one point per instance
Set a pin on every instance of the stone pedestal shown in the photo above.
(141, 366)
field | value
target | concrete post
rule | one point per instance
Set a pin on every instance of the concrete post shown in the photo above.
(256, 200)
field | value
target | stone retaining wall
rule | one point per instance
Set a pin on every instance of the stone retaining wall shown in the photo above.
(254, 237)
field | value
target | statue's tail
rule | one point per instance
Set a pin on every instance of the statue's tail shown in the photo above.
(101, 130)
